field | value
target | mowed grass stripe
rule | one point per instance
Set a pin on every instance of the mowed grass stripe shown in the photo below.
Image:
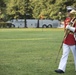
(25, 39)
(31, 29)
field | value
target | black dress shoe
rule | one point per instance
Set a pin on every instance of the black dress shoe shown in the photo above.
(59, 71)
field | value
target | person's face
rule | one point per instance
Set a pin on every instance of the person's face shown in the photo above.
(68, 14)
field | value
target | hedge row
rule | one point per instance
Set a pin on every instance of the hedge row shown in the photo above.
(6, 25)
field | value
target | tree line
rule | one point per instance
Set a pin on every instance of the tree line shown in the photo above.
(38, 9)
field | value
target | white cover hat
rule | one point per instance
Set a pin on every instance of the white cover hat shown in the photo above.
(69, 8)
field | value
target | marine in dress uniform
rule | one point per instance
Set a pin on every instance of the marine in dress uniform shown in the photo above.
(69, 43)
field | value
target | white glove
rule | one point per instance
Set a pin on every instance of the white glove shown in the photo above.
(70, 28)
(75, 36)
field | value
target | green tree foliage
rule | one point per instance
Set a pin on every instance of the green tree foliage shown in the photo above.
(54, 9)
(51, 8)
(15, 8)
(2, 9)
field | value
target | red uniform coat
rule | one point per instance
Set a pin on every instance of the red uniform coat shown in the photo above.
(69, 40)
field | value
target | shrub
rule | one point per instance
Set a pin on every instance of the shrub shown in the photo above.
(6, 25)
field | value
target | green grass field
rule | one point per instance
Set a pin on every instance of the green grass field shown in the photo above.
(31, 52)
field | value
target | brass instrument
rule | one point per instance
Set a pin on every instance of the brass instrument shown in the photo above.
(67, 30)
